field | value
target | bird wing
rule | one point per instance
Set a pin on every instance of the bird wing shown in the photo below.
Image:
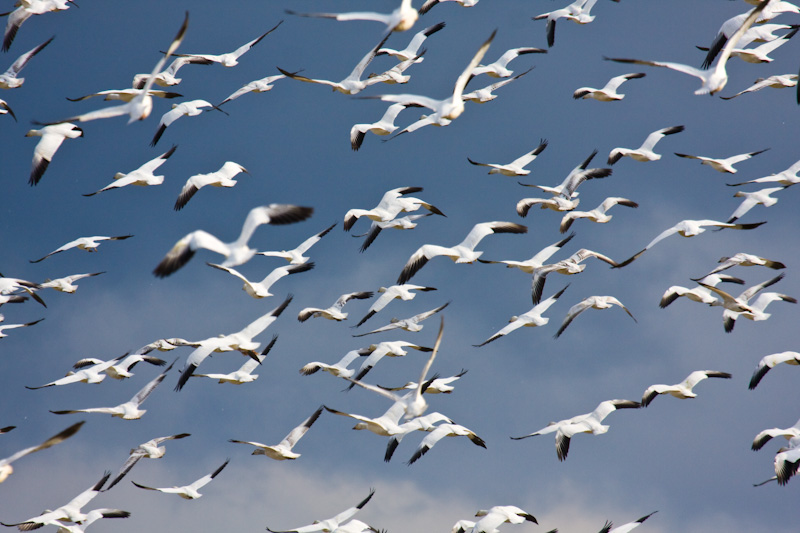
(291, 439)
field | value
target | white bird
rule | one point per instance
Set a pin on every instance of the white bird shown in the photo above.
(531, 318)
(260, 289)
(256, 86)
(486, 94)
(516, 167)
(625, 528)
(392, 204)
(283, 450)
(124, 95)
(329, 524)
(120, 367)
(384, 126)
(435, 386)
(598, 214)
(494, 517)
(715, 78)
(569, 266)
(645, 151)
(698, 294)
(585, 423)
(767, 435)
(338, 369)
(188, 492)
(129, 410)
(768, 362)
(401, 292)
(567, 189)
(787, 461)
(140, 107)
(411, 51)
(91, 517)
(10, 78)
(720, 164)
(356, 526)
(752, 199)
(333, 312)
(71, 511)
(244, 374)
(683, 389)
(464, 252)
(5, 109)
(191, 108)
(3, 327)
(383, 349)
(375, 229)
(150, 449)
(5, 463)
(241, 341)
(231, 59)
(386, 425)
(592, 302)
(578, 12)
(236, 252)
(499, 69)
(785, 177)
(757, 309)
(778, 81)
(760, 53)
(401, 19)
(411, 324)
(747, 260)
(556, 203)
(142, 176)
(295, 256)
(395, 75)
(538, 258)
(441, 431)
(741, 306)
(352, 84)
(169, 76)
(51, 138)
(609, 91)
(424, 8)
(89, 244)
(25, 10)
(687, 228)
(221, 178)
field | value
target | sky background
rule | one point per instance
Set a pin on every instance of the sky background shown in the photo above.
(690, 460)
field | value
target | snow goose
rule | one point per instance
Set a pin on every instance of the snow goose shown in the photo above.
(516, 167)
(3, 327)
(256, 86)
(71, 511)
(585, 423)
(421, 423)
(192, 108)
(556, 203)
(625, 528)
(236, 252)
(569, 266)
(384, 349)
(441, 431)
(124, 95)
(598, 214)
(375, 229)
(411, 51)
(645, 151)
(221, 178)
(435, 386)
(531, 318)
(89, 244)
(464, 252)
(260, 289)
(384, 126)
(715, 78)
(411, 324)
(766, 435)
(392, 204)
(778, 81)
(486, 94)
(720, 164)
(151, 449)
(188, 492)
(333, 312)
(295, 256)
(687, 228)
(231, 59)
(592, 302)
(735, 306)
(424, 8)
(401, 19)
(10, 79)
(26, 10)
(284, 449)
(785, 177)
(745, 259)
(129, 410)
(499, 69)
(683, 389)
(5, 463)
(698, 294)
(538, 258)
(494, 517)
(757, 309)
(787, 461)
(752, 199)
(120, 367)
(352, 84)
(760, 53)
(169, 76)
(395, 292)
(338, 369)
(768, 362)
(244, 374)
(142, 176)
(51, 138)
(386, 425)
(330, 524)
(241, 341)
(609, 91)
(567, 189)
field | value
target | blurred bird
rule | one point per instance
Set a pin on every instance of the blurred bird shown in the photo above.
(598, 214)
(723, 165)
(5, 464)
(645, 151)
(409, 324)
(231, 59)
(516, 167)
(532, 318)
(51, 138)
(9, 79)
(295, 256)
(768, 362)
(150, 449)
(401, 19)
(333, 312)
(191, 108)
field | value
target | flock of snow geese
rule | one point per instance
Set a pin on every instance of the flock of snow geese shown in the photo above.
(405, 206)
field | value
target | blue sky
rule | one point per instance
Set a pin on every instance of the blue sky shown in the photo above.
(690, 460)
